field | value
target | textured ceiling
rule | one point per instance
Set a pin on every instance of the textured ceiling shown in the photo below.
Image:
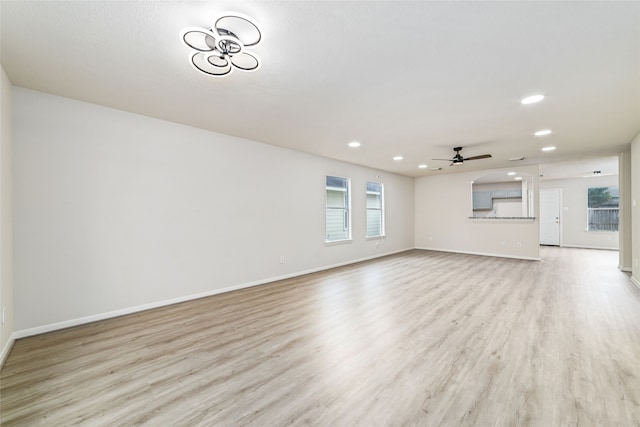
(403, 78)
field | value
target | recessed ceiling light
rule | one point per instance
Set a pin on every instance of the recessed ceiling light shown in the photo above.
(518, 178)
(543, 132)
(398, 158)
(422, 166)
(548, 148)
(532, 99)
(511, 173)
(354, 144)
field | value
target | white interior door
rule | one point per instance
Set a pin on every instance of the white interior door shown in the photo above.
(550, 217)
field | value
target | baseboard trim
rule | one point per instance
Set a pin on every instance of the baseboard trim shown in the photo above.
(24, 333)
(7, 349)
(625, 269)
(479, 253)
(635, 282)
(589, 247)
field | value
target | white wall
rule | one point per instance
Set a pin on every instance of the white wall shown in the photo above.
(573, 221)
(116, 211)
(635, 208)
(443, 206)
(6, 210)
(624, 236)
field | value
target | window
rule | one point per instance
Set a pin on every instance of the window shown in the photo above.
(603, 208)
(375, 210)
(338, 218)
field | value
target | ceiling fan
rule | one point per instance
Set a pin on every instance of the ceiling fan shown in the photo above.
(458, 159)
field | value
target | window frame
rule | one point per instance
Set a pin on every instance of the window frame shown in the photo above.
(381, 209)
(347, 209)
(612, 209)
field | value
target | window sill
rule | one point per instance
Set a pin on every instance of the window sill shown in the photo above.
(337, 242)
(380, 237)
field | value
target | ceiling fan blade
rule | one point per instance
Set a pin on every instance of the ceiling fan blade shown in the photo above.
(483, 156)
(444, 160)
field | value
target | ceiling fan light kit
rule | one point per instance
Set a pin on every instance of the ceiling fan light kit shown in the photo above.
(222, 48)
(458, 160)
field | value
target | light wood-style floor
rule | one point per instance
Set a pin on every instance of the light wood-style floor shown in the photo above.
(421, 338)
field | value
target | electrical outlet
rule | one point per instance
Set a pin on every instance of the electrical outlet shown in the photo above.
(519, 244)
(377, 245)
(282, 259)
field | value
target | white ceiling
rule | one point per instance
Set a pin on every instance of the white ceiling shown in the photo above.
(403, 78)
(583, 168)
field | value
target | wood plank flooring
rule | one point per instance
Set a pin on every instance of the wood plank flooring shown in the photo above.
(420, 338)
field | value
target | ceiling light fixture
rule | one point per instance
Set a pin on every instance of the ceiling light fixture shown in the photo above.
(548, 148)
(597, 173)
(354, 144)
(398, 158)
(532, 99)
(223, 47)
(511, 173)
(423, 166)
(543, 132)
(518, 178)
